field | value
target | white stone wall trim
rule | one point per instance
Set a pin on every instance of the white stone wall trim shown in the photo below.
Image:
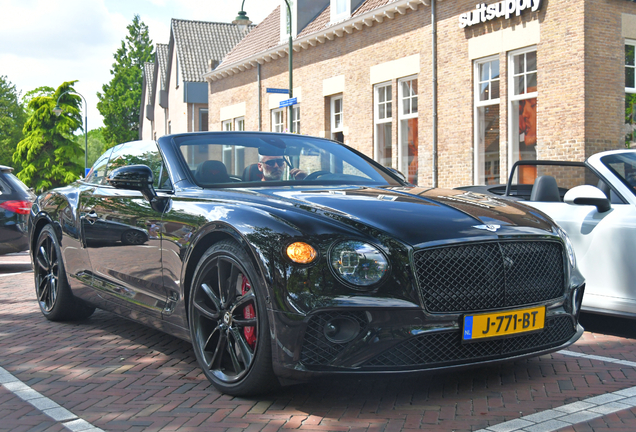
(233, 111)
(333, 85)
(395, 69)
(508, 39)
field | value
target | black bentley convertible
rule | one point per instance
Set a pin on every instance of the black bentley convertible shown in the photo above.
(282, 257)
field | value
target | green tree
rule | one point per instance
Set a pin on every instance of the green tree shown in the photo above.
(96, 145)
(120, 101)
(12, 118)
(48, 152)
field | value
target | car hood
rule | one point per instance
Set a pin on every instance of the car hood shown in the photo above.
(415, 215)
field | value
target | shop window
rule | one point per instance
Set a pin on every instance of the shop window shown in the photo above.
(487, 136)
(383, 119)
(407, 132)
(277, 120)
(337, 119)
(203, 119)
(630, 93)
(296, 119)
(523, 111)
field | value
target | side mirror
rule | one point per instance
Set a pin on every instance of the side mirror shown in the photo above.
(134, 177)
(588, 195)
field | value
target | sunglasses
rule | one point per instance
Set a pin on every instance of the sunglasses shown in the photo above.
(273, 162)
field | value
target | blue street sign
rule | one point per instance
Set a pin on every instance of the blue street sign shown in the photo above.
(288, 102)
(275, 90)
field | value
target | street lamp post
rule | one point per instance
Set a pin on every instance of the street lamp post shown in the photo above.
(57, 110)
(242, 21)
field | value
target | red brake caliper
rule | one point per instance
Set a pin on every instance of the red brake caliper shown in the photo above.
(248, 313)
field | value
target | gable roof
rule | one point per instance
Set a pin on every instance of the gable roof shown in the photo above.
(149, 78)
(264, 44)
(161, 61)
(266, 35)
(198, 42)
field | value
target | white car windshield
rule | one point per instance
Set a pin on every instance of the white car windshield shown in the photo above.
(230, 159)
(623, 165)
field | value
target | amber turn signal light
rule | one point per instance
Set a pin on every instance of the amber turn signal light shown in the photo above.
(301, 252)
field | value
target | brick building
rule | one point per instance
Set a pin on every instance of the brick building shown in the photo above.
(448, 92)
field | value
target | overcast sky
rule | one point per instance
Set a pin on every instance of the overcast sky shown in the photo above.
(44, 42)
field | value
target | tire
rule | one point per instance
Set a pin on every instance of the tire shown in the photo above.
(133, 237)
(54, 295)
(231, 341)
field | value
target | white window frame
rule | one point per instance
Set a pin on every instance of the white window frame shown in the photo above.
(226, 125)
(296, 119)
(239, 124)
(335, 16)
(631, 89)
(514, 155)
(403, 116)
(478, 167)
(334, 114)
(278, 126)
(378, 153)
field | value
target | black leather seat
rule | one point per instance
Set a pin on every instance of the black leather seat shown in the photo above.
(252, 173)
(545, 189)
(211, 172)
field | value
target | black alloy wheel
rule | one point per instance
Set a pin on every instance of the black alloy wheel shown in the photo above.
(56, 301)
(133, 237)
(228, 322)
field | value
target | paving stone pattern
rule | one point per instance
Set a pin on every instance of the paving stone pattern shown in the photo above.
(117, 375)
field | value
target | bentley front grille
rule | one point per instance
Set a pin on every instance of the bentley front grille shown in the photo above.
(485, 276)
(446, 348)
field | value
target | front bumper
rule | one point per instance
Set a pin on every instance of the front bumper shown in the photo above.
(408, 340)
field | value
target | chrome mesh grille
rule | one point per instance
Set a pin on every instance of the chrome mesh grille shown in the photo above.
(484, 276)
(430, 350)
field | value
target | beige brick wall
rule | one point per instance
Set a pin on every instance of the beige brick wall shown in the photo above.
(580, 76)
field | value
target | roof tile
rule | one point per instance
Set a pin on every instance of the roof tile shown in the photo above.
(267, 34)
(198, 42)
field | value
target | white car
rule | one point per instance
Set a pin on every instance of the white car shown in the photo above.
(595, 204)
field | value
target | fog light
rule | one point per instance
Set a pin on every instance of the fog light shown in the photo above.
(341, 329)
(301, 252)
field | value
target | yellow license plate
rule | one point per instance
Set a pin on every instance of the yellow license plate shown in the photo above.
(503, 323)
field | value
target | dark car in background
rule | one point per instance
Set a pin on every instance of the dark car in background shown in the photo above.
(334, 265)
(15, 206)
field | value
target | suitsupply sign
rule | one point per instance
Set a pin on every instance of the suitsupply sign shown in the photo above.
(505, 9)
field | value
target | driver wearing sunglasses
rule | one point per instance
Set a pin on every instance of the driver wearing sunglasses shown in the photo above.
(273, 167)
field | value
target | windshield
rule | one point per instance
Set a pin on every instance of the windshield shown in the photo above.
(623, 165)
(231, 159)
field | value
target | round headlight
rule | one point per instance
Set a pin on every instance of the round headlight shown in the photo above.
(358, 263)
(568, 246)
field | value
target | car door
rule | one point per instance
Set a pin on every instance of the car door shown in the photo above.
(121, 234)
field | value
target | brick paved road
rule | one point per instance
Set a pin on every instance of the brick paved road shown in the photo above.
(121, 376)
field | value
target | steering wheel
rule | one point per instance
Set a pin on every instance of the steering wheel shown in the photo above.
(314, 175)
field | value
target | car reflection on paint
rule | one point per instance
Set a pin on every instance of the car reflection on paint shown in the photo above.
(112, 232)
(326, 263)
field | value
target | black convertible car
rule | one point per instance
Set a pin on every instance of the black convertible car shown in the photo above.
(282, 257)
